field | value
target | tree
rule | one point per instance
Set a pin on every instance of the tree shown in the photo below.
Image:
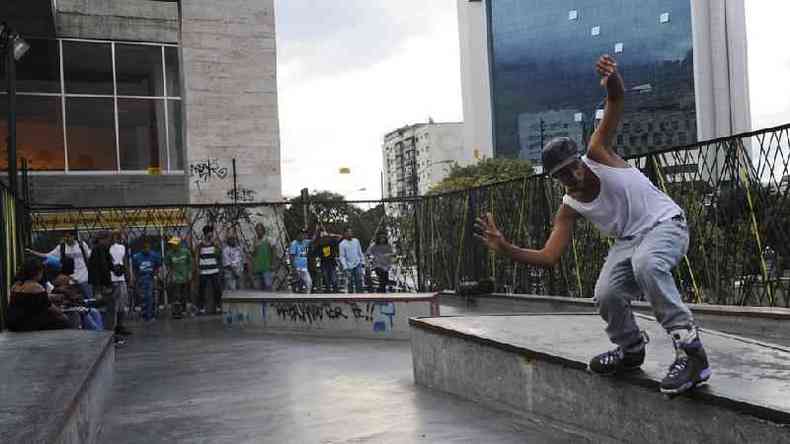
(331, 212)
(484, 172)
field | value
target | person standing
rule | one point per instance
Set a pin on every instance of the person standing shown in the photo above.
(100, 277)
(650, 238)
(262, 259)
(382, 260)
(179, 272)
(77, 251)
(233, 262)
(352, 260)
(146, 264)
(209, 265)
(298, 254)
(118, 271)
(327, 253)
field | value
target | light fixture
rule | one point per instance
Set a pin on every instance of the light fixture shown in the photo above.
(596, 30)
(618, 47)
(578, 117)
(573, 14)
(19, 46)
(663, 18)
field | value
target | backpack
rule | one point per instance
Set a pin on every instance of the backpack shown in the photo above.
(82, 250)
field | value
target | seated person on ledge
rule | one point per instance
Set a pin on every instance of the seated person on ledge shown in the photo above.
(29, 307)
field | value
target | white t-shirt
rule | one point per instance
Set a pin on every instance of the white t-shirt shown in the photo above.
(118, 253)
(80, 267)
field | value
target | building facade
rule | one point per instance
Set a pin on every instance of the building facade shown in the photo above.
(684, 63)
(417, 157)
(146, 102)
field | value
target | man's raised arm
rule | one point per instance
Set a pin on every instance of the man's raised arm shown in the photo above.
(602, 141)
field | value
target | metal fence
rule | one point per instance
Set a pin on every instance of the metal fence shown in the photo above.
(282, 222)
(12, 240)
(735, 194)
(734, 191)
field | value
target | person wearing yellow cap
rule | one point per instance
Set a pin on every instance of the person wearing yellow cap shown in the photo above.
(179, 272)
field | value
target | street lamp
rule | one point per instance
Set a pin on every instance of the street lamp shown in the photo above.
(13, 47)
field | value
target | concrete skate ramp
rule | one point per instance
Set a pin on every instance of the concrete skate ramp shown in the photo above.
(380, 316)
(536, 364)
(53, 385)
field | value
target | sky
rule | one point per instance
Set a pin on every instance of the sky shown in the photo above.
(351, 71)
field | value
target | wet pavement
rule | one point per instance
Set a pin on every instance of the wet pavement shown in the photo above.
(195, 381)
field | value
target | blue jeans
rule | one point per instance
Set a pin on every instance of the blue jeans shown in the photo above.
(328, 269)
(87, 290)
(145, 285)
(265, 280)
(643, 265)
(354, 277)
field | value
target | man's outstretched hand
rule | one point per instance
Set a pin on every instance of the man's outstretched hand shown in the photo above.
(487, 231)
(607, 69)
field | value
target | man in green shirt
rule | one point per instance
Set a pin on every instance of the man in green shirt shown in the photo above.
(262, 259)
(179, 274)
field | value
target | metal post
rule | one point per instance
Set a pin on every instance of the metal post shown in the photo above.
(417, 241)
(235, 184)
(542, 133)
(11, 78)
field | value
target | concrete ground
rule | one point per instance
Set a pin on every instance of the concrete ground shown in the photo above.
(195, 381)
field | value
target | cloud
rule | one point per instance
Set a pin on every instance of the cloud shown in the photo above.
(769, 63)
(338, 97)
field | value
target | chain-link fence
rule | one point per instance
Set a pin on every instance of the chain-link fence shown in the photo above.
(735, 194)
(734, 191)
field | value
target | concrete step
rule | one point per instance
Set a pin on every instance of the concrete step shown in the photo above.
(54, 385)
(537, 365)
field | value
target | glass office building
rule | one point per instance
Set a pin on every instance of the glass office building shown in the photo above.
(543, 83)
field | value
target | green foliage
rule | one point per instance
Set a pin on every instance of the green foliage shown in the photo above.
(484, 172)
(330, 211)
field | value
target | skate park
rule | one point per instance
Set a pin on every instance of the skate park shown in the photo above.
(288, 221)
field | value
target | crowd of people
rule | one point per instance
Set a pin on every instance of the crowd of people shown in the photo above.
(79, 285)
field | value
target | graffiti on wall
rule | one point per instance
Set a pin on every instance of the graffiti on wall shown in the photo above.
(242, 194)
(205, 171)
(380, 314)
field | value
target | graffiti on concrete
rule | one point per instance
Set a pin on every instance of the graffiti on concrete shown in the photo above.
(205, 171)
(380, 314)
(242, 194)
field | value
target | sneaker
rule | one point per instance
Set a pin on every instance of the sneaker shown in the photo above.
(119, 341)
(620, 361)
(690, 368)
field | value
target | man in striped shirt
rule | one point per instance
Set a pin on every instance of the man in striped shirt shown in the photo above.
(209, 266)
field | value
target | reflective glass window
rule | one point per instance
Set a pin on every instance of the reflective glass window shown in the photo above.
(176, 137)
(39, 132)
(139, 70)
(173, 72)
(87, 68)
(141, 134)
(90, 132)
(542, 68)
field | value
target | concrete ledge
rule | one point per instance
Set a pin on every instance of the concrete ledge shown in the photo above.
(379, 316)
(54, 385)
(771, 324)
(536, 364)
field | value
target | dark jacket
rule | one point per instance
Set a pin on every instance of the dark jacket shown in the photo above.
(100, 267)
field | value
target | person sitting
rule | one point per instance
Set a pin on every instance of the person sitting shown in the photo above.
(29, 307)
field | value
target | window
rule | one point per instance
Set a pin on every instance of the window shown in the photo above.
(138, 69)
(90, 133)
(39, 70)
(39, 132)
(141, 134)
(87, 68)
(130, 120)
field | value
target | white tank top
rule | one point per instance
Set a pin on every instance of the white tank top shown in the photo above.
(628, 203)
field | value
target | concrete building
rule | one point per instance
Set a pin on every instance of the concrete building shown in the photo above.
(417, 157)
(141, 102)
(527, 71)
